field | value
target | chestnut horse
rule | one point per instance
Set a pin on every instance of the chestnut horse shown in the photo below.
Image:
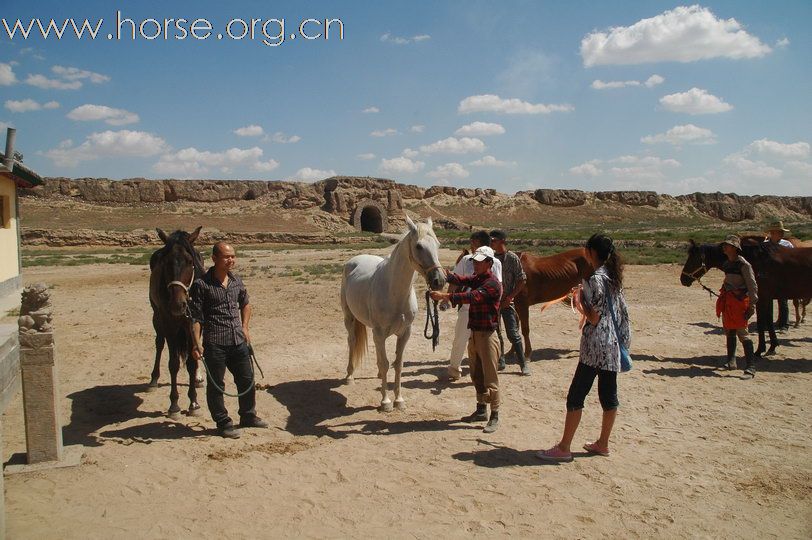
(780, 273)
(174, 268)
(548, 279)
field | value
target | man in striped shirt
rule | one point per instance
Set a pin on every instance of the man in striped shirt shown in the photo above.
(221, 313)
(483, 318)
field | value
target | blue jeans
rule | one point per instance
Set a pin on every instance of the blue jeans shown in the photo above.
(511, 320)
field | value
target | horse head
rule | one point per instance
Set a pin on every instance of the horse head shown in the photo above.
(695, 267)
(179, 264)
(424, 253)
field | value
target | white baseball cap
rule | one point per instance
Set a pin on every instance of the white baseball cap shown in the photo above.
(483, 253)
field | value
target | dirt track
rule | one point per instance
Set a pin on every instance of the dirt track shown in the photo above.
(696, 452)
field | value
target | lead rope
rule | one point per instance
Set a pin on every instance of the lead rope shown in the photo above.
(434, 320)
(253, 374)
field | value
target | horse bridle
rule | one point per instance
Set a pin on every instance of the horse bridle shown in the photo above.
(182, 284)
(704, 270)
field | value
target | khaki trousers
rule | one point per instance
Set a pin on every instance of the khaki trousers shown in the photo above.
(483, 356)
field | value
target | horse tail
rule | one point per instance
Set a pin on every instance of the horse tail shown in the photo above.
(358, 344)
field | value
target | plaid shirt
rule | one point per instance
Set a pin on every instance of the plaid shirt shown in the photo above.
(217, 308)
(484, 299)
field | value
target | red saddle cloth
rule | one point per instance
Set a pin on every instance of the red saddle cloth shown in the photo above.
(732, 305)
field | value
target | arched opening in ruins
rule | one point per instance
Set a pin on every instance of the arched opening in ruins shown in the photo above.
(371, 220)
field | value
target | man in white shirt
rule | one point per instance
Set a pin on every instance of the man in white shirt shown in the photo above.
(775, 235)
(465, 267)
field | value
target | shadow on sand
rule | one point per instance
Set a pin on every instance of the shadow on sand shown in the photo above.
(708, 366)
(503, 456)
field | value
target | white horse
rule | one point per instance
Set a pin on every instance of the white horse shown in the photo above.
(378, 293)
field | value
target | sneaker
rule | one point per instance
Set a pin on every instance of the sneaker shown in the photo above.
(526, 369)
(229, 431)
(554, 455)
(454, 373)
(253, 422)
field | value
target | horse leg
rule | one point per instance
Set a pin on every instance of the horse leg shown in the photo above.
(192, 368)
(523, 311)
(400, 403)
(761, 318)
(174, 367)
(156, 369)
(773, 337)
(383, 369)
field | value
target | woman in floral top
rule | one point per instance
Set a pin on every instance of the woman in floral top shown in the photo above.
(600, 351)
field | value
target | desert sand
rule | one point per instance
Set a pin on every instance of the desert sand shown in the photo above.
(696, 452)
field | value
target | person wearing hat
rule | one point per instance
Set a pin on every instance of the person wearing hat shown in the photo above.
(483, 298)
(513, 281)
(775, 237)
(737, 303)
(465, 267)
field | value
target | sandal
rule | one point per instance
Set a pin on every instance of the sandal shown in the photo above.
(554, 454)
(593, 448)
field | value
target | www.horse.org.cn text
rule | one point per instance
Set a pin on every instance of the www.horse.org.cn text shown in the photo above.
(268, 31)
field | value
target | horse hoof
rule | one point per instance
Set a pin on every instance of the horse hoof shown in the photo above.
(400, 404)
(194, 411)
(174, 415)
(770, 352)
(199, 384)
(385, 407)
(349, 380)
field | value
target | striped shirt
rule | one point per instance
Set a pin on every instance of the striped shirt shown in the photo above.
(217, 308)
(512, 272)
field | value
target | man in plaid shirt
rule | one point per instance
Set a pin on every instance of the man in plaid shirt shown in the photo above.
(483, 318)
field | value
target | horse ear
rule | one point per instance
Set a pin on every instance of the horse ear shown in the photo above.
(162, 235)
(430, 223)
(194, 235)
(410, 224)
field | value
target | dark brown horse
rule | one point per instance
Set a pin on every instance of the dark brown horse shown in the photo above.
(548, 279)
(174, 268)
(780, 273)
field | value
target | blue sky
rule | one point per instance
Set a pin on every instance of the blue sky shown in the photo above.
(513, 95)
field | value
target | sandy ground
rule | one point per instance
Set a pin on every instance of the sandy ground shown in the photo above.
(697, 452)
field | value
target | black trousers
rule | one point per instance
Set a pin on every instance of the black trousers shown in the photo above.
(582, 384)
(237, 359)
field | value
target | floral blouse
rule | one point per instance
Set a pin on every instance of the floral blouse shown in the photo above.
(599, 344)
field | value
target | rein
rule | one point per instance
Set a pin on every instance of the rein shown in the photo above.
(253, 375)
(434, 320)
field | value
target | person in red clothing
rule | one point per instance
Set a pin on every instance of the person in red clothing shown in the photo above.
(483, 346)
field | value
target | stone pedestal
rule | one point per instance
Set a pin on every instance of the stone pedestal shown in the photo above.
(43, 432)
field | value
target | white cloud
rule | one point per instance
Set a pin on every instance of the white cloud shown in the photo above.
(480, 129)
(589, 168)
(307, 174)
(793, 150)
(281, 138)
(651, 82)
(490, 161)
(448, 171)
(366, 157)
(384, 132)
(683, 34)
(452, 145)
(7, 76)
(654, 80)
(252, 130)
(409, 153)
(107, 144)
(26, 105)
(41, 81)
(75, 74)
(782, 43)
(751, 169)
(400, 165)
(418, 128)
(371, 110)
(114, 117)
(695, 101)
(679, 135)
(494, 103)
(598, 84)
(189, 162)
(397, 40)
